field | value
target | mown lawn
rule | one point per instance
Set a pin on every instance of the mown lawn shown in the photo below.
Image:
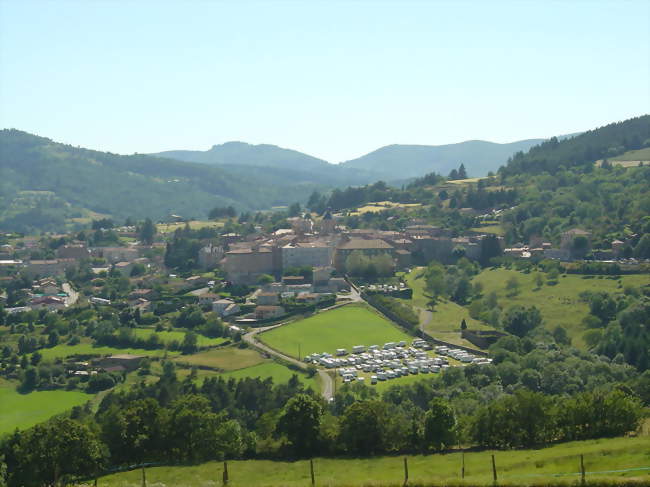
(62, 351)
(176, 335)
(519, 467)
(25, 410)
(228, 358)
(342, 327)
(559, 304)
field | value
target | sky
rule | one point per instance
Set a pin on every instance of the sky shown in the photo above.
(333, 79)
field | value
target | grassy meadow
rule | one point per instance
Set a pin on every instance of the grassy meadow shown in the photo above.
(444, 321)
(25, 410)
(556, 464)
(194, 225)
(225, 359)
(270, 369)
(559, 304)
(342, 327)
(63, 351)
(174, 335)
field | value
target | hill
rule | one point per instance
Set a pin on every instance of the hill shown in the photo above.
(45, 185)
(406, 161)
(610, 460)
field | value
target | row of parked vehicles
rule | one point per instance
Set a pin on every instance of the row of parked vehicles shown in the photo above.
(389, 361)
(462, 355)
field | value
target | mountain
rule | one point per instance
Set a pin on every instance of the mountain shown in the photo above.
(236, 153)
(409, 161)
(393, 163)
(238, 157)
(45, 185)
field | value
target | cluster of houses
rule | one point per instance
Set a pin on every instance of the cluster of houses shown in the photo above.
(245, 260)
(44, 293)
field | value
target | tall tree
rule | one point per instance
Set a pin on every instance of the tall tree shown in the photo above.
(300, 422)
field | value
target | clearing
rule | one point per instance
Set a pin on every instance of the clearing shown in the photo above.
(176, 335)
(342, 327)
(227, 359)
(559, 304)
(63, 351)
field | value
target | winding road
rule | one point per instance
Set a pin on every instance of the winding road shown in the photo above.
(252, 340)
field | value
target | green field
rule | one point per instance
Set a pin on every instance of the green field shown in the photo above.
(342, 327)
(170, 336)
(25, 410)
(444, 321)
(634, 155)
(63, 351)
(559, 304)
(279, 373)
(519, 467)
(495, 229)
(228, 358)
(194, 225)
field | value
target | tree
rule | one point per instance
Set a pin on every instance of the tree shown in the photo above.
(147, 232)
(364, 427)
(48, 452)
(439, 424)
(539, 280)
(520, 320)
(463, 325)
(642, 249)
(189, 344)
(462, 173)
(265, 279)
(512, 286)
(294, 210)
(300, 422)
(53, 339)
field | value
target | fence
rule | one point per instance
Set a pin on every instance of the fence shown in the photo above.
(226, 475)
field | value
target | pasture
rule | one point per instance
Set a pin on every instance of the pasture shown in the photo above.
(273, 370)
(605, 460)
(225, 359)
(194, 225)
(342, 327)
(379, 206)
(178, 336)
(25, 410)
(559, 304)
(63, 351)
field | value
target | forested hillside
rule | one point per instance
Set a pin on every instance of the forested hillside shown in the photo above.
(77, 180)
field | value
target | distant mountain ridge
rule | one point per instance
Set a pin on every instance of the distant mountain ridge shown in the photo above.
(395, 162)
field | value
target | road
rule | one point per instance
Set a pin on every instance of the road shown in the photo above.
(251, 339)
(73, 295)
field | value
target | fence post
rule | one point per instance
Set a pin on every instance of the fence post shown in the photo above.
(494, 470)
(144, 478)
(311, 470)
(582, 469)
(406, 471)
(225, 473)
(462, 468)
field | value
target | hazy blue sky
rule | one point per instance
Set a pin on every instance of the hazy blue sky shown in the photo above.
(333, 79)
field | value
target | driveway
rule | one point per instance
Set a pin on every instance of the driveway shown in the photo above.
(73, 295)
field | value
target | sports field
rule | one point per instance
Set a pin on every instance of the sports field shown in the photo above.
(559, 304)
(25, 410)
(342, 327)
(609, 459)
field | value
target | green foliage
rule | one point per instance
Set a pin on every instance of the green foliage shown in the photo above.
(439, 425)
(300, 423)
(520, 320)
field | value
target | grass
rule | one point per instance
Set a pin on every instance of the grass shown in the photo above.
(170, 336)
(559, 304)
(446, 316)
(494, 229)
(194, 225)
(381, 206)
(342, 327)
(25, 410)
(228, 358)
(518, 467)
(634, 155)
(63, 351)
(279, 373)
